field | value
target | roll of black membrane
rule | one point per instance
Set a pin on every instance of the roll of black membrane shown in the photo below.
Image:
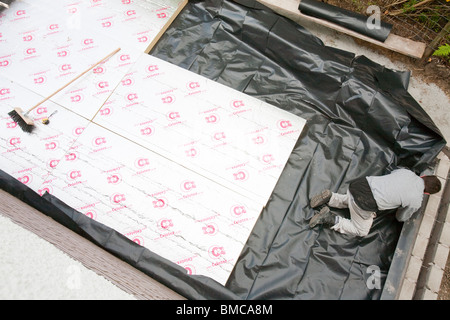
(5, 4)
(353, 21)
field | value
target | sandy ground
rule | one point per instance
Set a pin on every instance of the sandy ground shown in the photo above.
(31, 268)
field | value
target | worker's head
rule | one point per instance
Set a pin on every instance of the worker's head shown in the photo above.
(432, 184)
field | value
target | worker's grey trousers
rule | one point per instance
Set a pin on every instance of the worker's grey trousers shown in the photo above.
(360, 220)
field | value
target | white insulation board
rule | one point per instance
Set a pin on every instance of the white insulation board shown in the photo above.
(177, 163)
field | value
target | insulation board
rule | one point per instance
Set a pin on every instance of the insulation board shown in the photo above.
(177, 163)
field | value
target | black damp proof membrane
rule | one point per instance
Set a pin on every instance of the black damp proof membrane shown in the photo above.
(4, 4)
(370, 26)
(360, 121)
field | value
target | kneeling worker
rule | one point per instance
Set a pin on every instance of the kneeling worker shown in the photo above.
(401, 189)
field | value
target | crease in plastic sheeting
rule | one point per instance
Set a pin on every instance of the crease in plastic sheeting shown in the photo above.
(280, 251)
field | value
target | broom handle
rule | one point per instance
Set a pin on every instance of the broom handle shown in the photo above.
(90, 68)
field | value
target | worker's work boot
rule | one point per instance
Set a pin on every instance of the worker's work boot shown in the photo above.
(320, 199)
(325, 217)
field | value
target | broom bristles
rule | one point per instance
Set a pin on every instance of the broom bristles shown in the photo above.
(25, 123)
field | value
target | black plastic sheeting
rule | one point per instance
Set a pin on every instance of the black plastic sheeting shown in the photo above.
(361, 121)
(7, 2)
(345, 18)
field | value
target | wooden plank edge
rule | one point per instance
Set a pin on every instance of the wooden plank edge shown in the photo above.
(289, 9)
(166, 26)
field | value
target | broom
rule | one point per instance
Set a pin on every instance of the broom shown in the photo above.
(26, 123)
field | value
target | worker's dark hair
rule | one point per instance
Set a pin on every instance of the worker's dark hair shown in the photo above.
(432, 184)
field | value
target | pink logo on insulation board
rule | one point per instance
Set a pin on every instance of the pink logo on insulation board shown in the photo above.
(284, 124)
(103, 84)
(127, 82)
(193, 85)
(28, 38)
(14, 141)
(52, 163)
(213, 118)
(160, 203)
(147, 131)
(187, 185)
(114, 178)
(191, 153)
(142, 39)
(20, 13)
(216, 251)
(53, 27)
(40, 80)
(11, 125)
(168, 99)
(40, 110)
(238, 210)
(65, 67)
(210, 229)
(74, 174)
(5, 91)
(259, 140)
(267, 158)
(87, 42)
(141, 162)
(98, 141)
(107, 24)
(241, 175)
(139, 240)
(78, 131)
(152, 68)
(62, 53)
(30, 51)
(118, 198)
(91, 214)
(131, 97)
(236, 104)
(4, 63)
(219, 136)
(26, 179)
(52, 145)
(99, 70)
(165, 224)
(72, 10)
(190, 269)
(45, 189)
(124, 57)
(106, 111)
(71, 156)
(173, 115)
